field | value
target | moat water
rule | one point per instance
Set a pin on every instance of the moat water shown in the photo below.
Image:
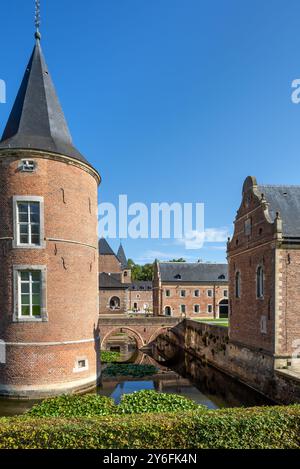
(210, 387)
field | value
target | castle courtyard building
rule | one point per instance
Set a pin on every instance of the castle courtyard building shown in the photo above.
(190, 290)
(48, 247)
(264, 267)
(118, 293)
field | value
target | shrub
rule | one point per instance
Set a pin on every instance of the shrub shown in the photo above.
(109, 357)
(256, 428)
(137, 371)
(92, 405)
(74, 406)
(152, 401)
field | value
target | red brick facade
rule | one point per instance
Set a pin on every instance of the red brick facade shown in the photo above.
(199, 299)
(268, 322)
(42, 356)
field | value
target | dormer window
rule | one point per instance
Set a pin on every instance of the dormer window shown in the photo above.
(28, 166)
(178, 277)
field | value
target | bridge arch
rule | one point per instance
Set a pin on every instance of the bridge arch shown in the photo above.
(160, 331)
(137, 336)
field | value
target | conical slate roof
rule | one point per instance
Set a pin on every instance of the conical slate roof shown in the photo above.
(37, 120)
(122, 257)
(104, 248)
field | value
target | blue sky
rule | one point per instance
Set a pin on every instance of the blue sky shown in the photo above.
(171, 100)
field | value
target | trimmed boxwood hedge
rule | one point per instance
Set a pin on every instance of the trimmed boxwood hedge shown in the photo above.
(259, 428)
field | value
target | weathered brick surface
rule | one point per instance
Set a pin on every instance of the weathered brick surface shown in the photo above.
(140, 298)
(70, 198)
(288, 327)
(110, 264)
(106, 295)
(281, 262)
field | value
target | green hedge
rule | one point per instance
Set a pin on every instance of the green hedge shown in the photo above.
(92, 405)
(109, 357)
(154, 402)
(274, 427)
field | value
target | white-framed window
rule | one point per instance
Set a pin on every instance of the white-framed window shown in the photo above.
(81, 364)
(182, 293)
(28, 222)
(196, 309)
(209, 309)
(237, 285)
(196, 293)
(182, 309)
(29, 293)
(209, 293)
(168, 293)
(27, 166)
(260, 282)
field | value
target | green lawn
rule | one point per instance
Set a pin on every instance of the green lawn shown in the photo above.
(217, 322)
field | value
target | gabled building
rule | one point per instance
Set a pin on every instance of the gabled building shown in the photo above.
(264, 267)
(190, 289)
(118, 294)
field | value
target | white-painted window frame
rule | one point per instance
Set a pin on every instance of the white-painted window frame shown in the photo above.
(17, 313)
(18, 199)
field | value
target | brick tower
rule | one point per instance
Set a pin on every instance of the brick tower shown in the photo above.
(48, 247)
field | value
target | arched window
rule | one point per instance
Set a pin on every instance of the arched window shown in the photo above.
(237, 285)
(115, 303)
(260, 282)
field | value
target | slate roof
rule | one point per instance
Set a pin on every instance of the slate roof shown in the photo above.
(104, 248)
(36, 120)
(193, 272)
(122, 257)
(111, 281)
(286, 201)
(140, 285)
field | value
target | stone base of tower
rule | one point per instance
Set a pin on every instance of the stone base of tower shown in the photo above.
(44, 370)
(44, 391)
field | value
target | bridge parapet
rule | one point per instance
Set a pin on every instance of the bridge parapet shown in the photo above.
(145, 329)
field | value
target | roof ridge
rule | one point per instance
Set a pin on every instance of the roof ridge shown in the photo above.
(280, 185)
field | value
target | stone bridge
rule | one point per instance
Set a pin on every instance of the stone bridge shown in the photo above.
(143, 329)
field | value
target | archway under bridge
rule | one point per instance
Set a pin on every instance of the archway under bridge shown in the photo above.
(143, 330)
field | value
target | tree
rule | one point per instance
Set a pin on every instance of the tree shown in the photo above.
(178, 260)
(141, 272)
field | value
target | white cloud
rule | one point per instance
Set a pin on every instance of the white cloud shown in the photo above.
(196, 239)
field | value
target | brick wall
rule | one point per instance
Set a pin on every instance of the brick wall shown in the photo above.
(106, 295)
(71, 258)
(109, 264)
(175, 300)
(141, 298)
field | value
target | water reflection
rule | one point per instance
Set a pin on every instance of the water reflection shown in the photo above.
(188, 377)
(182, 375)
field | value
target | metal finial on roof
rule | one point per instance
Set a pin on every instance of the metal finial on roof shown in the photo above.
(37, 19)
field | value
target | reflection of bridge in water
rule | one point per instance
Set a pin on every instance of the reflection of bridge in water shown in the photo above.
(144, 330)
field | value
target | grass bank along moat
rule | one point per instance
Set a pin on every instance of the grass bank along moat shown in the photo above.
(211, 344)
